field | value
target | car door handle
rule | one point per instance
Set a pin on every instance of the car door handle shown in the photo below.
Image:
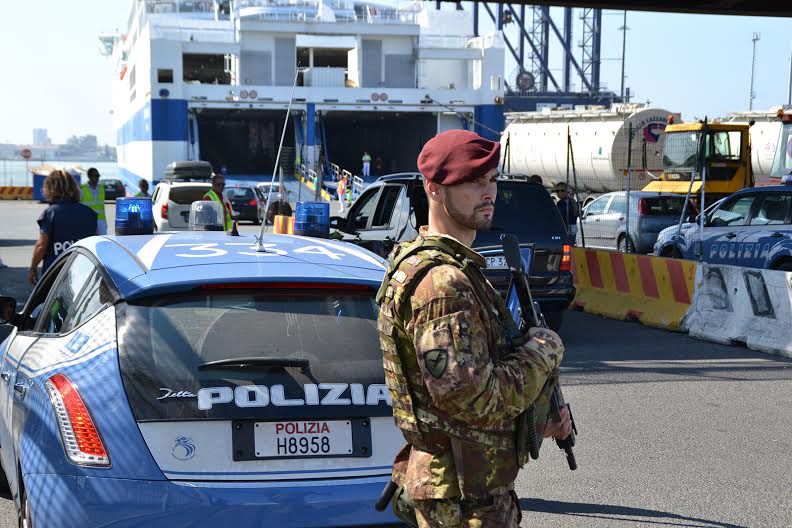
(5, 375)
(777, 235)
(730, 235)
(621, 218)
(21, 389)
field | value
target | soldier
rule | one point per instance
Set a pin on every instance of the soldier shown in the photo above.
(457, 381)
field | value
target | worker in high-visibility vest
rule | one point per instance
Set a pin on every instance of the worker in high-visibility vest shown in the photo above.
(215, 194)
(143, 186)
(341, 192)
(93, 195)
(366, 164)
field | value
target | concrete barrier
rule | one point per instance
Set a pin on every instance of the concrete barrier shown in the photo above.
(16, 193)
(742, 305)
(653, 290)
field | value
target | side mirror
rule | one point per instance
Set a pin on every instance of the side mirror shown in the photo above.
(8, 313)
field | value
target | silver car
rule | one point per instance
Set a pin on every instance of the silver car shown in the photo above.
(603, 221)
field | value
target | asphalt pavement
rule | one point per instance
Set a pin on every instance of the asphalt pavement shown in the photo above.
(672, 431)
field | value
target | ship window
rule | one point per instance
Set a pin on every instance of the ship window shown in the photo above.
(165, 76)
(329, 58)
(205, 69)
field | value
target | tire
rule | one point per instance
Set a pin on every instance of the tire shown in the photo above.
(4, 487)
(671, 253)
(278, 208)
(554, 320)
(257, 220)
(785, 265)
(625, 245)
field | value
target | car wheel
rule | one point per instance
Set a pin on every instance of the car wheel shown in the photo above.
(671, 253)
(784, 266)
(4, 481)
(554, 320)
(625, 245)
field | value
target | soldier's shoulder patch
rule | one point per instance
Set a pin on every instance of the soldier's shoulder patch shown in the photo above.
(436, 361)
(400, 277)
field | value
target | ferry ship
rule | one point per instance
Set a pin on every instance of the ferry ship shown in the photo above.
(213, 80)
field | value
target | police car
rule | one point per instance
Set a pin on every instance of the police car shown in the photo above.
(196, 379)
(752, 227)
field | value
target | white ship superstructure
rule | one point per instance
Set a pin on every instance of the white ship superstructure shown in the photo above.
(212, 80)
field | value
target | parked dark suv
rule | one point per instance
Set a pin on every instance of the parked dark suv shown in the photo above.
(391, 209)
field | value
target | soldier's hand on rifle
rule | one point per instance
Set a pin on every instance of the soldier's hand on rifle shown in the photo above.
(560, 429)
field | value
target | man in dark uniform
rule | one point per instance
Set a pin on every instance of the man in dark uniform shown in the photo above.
(61, 224)
(456, 377)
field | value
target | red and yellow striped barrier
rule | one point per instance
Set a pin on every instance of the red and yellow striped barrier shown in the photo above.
(16, 193)
(654, 290)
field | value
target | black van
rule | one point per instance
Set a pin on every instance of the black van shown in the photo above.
(393, 208)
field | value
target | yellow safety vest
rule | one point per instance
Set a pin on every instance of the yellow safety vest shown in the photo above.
(94, 201)
(211, 195)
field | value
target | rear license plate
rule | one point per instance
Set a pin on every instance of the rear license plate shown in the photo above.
(254, 440)
(496, 262)
(308, 439)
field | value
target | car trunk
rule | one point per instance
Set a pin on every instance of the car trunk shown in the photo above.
(658, 212)
(306, 400)
(180, 199)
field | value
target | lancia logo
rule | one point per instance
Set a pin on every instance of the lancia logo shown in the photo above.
(183, 448)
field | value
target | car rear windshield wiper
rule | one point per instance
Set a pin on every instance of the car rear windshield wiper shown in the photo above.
(256, 363)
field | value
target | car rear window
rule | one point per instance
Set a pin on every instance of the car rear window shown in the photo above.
(525, 209)
(239, 192)
(165, 340)
(664, 205)
(187, 195)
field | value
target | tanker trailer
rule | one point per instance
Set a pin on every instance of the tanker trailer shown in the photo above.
(537, 144)
(764, 137)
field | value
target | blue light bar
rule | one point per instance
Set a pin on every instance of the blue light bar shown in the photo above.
(134, 216)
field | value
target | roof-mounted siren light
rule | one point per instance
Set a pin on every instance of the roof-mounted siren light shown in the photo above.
(670, 119)
(206, 215)
(134, 216)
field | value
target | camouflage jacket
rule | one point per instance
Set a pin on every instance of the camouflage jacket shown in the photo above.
(456, 381)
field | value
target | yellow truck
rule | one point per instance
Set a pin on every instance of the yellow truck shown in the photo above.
(715, 154)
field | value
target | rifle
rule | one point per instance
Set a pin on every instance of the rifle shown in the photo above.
(528, 308)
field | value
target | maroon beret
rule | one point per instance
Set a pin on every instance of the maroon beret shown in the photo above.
(457, 156)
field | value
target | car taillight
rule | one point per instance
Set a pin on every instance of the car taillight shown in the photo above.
(253, 202)
(164, 211)
(643, 207)
(81, 440)
(566, 259)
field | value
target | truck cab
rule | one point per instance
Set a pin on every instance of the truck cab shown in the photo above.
(726, 163)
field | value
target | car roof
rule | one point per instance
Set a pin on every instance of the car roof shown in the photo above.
(765, 189)
(185, 183)
(144, 264)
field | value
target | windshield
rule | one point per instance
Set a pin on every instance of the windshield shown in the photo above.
(165, 340)
(782, 163)
(679, 152)
(239, 193)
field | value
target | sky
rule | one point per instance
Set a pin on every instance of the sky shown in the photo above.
(700, 65)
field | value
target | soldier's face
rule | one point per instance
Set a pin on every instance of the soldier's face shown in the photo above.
(472, 204)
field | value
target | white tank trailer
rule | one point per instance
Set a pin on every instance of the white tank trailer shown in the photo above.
(537, 144)
(764, 138)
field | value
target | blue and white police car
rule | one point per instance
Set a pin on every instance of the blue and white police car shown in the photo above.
(193, 379)
(752, 228)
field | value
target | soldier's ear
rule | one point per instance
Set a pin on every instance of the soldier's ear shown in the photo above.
(432, 190)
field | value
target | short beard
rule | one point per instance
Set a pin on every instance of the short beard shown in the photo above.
(469, 221)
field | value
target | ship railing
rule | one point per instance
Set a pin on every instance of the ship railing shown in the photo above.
(179, 6)
(336, 171)
(358, 185)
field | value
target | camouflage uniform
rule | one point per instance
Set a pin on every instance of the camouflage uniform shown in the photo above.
(457, 383)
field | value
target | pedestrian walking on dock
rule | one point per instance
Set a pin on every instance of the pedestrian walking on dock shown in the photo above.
(62, 224)
(93, 195)
(341, 192)
(366, 164)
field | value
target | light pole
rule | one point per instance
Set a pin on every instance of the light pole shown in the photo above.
(789, 93)
(624, 50)
(752, 95)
